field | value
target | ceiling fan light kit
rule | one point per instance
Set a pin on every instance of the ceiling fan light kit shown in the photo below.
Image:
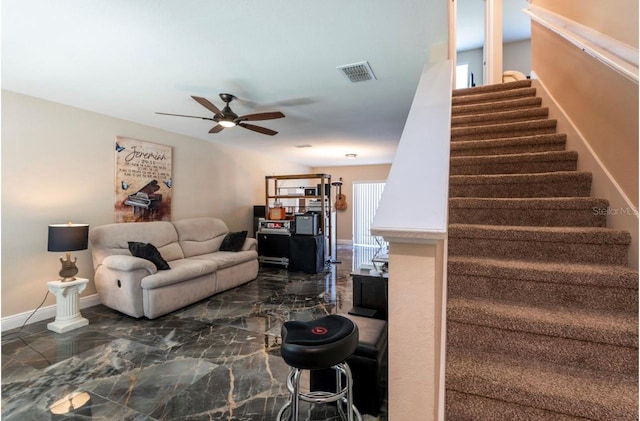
(227, 118)
(227, 123)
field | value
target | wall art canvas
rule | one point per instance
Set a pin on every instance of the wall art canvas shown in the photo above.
(143, 182)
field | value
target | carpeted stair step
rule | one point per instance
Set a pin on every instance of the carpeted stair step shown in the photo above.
(523, 163)
(494, 96)
(468, 407)
(506, 130)
(553, 184)
(492, 93)
(545, 244)
(547, 211)
(580, 338)
(496, 87)
(499, 117)
(506, 105)
(534, 390)
(552, 349)
(609, 288)
(511, 145)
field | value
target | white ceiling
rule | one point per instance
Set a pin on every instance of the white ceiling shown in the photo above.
(131, 58)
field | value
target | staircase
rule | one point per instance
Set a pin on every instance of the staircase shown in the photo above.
(542, 312)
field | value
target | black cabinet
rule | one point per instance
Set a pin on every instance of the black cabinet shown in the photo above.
(370, 295)
(303, 253)
(273, 248)
(306, 253)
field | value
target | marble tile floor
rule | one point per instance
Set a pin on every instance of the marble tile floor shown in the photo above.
(218, 359)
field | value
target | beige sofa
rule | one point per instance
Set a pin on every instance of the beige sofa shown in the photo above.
(134, 286)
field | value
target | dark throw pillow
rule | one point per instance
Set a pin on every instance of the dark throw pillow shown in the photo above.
(149, 252)
(233, 241)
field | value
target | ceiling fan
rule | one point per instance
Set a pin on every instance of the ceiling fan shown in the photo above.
(227, 118)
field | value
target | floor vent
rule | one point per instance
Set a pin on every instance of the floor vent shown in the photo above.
(357, 72)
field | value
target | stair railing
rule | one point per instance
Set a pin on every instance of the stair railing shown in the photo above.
(616, 54)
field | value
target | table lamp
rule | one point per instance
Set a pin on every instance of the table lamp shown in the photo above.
(67, 238)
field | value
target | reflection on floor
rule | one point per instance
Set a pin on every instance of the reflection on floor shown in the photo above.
(216, 360)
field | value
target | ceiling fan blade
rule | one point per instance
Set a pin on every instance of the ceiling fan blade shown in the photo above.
(207, 104)
(190, 116)
(258, 129)
(217, 129)
(261, 116)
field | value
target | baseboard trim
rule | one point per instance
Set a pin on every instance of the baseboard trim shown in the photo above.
(43, 313)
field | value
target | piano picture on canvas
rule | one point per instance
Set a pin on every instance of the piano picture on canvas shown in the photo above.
(143, 182)
(145, 202)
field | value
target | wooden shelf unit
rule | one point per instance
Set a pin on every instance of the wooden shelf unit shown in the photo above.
(273, 185)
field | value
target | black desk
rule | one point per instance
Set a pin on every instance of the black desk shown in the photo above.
(370, 295)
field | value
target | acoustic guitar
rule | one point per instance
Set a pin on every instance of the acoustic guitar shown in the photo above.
(341, 199)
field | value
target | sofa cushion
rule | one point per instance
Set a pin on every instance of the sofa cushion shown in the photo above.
(148, 252)
(181, 271)
(128, 263)
(110, 239)
(199, 236)
(233, 241)
(224, 259)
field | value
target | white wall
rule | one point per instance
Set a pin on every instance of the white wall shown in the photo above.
(515, 56)
(474, 59)
(58, 165)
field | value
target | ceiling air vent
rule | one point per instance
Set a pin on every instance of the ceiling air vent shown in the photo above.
(357, 72)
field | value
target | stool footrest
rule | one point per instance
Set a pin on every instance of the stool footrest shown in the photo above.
(343, 395)
(319, 396)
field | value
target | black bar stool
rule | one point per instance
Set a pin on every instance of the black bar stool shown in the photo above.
(315, 345)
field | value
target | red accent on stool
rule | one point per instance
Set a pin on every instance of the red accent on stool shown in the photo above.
(319, 330)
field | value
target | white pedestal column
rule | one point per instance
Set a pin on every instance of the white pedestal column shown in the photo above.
(68, 315)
